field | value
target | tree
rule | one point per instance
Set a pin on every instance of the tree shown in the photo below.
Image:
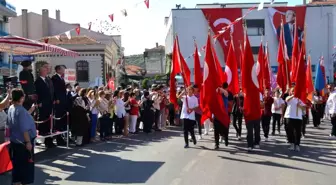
(145, 83)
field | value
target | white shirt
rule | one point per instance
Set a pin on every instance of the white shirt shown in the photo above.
(192, 103)
(93, 109)
(157, 100)
(331, 103)
(316, 99)
(292, 111)
(120, 108)
(278, 102)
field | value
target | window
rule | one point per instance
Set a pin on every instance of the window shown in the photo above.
(82, 70)
(255, 27)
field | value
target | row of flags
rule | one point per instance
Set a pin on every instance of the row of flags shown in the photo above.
(255, 76)
(68, 34)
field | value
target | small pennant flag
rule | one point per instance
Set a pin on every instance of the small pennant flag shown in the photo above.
(78, 29)
(46, 40)
(111, 17)
(68, 34)
(58, 37)
(147, 3)
(124, 12)
(90, 24)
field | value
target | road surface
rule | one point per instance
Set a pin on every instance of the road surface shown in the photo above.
(160, 159)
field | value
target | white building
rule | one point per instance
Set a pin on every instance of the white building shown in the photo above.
(6, 11)
(320, 21)
(101, 52)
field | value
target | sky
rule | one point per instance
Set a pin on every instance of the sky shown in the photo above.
(141, 29)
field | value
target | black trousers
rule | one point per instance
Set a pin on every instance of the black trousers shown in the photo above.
(44, 128)
(265, 122)
(119, 126)
(294, 131)
(199, 124)
(276, 121)
(285, 122)
(316, 116)
(253, 133)
(239, 118)
(156, 119)
(220, 130)
(333, 128)
(188, 127)
(305, 120)
(60, 125)
(104, 126)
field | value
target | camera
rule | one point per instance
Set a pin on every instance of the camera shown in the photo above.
(10, 82)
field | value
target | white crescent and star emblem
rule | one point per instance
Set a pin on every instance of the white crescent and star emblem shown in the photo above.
(254, 74)
(224, 21)
(258, 67)
(228, 74)
(206, 71)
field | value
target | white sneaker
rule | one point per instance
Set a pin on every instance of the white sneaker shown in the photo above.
(292, 147)
(222, 139)
(190, 137)
(250, 149)
(239, 138)
(199, 137)
(206, 133)
(297, 148)
(257, 146)
(266, 139)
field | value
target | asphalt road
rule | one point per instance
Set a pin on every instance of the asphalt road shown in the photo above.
(160, 159)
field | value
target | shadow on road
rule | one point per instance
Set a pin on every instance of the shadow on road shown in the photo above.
(99, 160)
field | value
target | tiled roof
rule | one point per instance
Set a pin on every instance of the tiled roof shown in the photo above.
(133, 70)
(323, 2)
(80, 40)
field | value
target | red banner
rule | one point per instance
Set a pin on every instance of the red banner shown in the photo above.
(219, 18)
(288, 15)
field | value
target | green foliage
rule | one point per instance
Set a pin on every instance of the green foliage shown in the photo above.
(145, 83)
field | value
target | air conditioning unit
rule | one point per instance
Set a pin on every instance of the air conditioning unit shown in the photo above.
(5, 19)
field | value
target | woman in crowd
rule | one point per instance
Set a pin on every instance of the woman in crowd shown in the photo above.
(22, 134)
(316, 110)
(127, 109)
(293, 116)
(277, 108)
(103, 116)
(147, 112)
(3, 116)
(81, 118)
(120, 112)
(108, 97)
(94, 114)
(134, 113)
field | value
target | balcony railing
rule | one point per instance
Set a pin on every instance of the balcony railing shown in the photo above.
(8, 5)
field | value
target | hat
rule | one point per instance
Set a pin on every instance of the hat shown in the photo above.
(26, 63)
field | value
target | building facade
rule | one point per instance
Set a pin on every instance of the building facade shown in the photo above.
(190, 24)
(155, 60)
(37, 26)
(6, 11)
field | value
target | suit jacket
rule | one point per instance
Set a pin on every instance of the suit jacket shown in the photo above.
(289, 39)
(43, 91)
(59, 88)
(27, 82)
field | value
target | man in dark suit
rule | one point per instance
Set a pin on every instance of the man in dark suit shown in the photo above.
(289, 30)
(60, 101)
(26, 79)
(44, 91)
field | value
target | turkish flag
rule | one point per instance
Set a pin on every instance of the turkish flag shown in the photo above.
(211, 99)
(197, 69)
(309, 79)
(221, 17)
(283, 70)
(222, 75)
(178, 66)
(261, 68)
(300, 90)
(250, 85)
(231, 70)
(295, 55)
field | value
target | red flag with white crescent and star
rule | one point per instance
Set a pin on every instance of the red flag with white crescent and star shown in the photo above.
(221, 17)
(78, 29)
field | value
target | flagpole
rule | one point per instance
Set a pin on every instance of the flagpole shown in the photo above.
(283, 53)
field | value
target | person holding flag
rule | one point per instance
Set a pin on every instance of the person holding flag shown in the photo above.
(190, 104)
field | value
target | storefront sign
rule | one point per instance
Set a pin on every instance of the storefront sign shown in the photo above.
(70, 75)
(20, 58)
